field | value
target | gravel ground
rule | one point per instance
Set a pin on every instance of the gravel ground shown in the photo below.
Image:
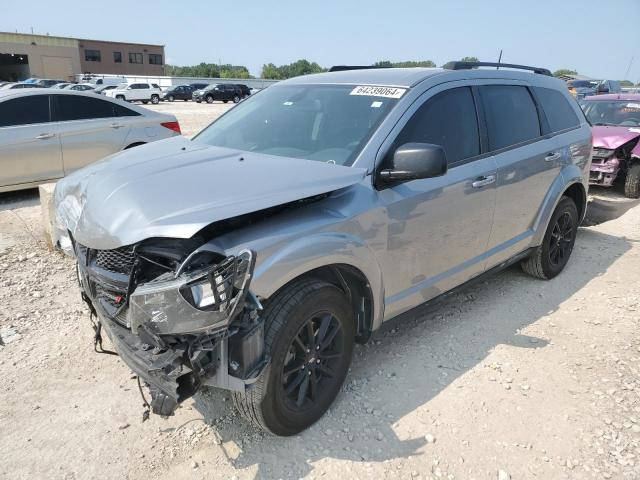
(511, 378)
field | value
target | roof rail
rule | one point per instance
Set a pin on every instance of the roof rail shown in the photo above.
(470, 65)
(342, 68)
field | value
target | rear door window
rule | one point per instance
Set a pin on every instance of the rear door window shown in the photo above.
(511, 115)
(447, 119)
(25, 111)
(557, 109)
(76, 107)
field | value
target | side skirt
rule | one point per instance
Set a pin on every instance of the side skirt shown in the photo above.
(423, 307)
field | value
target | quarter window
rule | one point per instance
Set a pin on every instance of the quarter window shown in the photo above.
(511, 115)
(117, 57)
(76, 107)
(24, 111)
(558, 110)
(92, 55)
(135, 58)
(155, 59)
(448, 119)
(120, 111)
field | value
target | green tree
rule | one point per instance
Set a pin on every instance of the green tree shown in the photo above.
(210, 70)
(626, 83)
(295, 69)
(564, 71)
(469, 59)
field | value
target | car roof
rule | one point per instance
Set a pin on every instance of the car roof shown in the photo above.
(409, 77)
(615, 96)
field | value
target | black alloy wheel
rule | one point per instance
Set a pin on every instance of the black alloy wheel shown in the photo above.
(309, 337)
(549, 259)
(311, 361)
(561, 239)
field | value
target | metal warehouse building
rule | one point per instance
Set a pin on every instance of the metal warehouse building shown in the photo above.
(43, 56)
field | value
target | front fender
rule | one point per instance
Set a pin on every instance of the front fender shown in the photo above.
(320, 250)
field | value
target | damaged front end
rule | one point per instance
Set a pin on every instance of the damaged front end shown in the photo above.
(605, 167)
(179, 316)
(608, 164)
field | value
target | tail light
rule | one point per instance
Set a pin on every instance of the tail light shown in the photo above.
(175, 126)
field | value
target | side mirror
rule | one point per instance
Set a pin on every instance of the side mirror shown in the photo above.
(413, 161)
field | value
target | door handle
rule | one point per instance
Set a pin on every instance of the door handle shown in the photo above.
(44, 136)
(116, 125)
(551, 156)
(483, 181)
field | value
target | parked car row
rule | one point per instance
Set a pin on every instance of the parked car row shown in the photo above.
(203, 92)
(584, 88)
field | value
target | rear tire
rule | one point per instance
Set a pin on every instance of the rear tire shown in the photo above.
(155, 99)
(632, 181)
(309, 337)
(209, 99)
(171, 98)
(236, 99)
(120, 97)
(549, 259)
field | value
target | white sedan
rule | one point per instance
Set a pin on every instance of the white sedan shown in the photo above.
(45, 134)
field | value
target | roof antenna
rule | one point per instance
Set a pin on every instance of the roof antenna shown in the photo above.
(499, 58)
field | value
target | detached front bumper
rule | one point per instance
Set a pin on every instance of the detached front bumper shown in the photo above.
(172, 345)
(170, 380)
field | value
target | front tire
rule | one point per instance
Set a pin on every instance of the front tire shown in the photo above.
(236, 99)
(120, 97)
(549, 259)
(155, 99)
(171, 98)
(632, 181)
(209, 99)
(309, 337)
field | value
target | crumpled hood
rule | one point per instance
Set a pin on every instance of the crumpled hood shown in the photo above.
(612, 137)
(175, 187)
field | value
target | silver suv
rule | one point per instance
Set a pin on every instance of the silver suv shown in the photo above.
(252, 257)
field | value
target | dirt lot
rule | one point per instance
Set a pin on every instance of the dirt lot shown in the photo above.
(512, 378)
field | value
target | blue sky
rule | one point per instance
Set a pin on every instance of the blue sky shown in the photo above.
(594, 37)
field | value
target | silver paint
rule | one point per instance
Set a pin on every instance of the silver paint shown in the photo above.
(412, 241)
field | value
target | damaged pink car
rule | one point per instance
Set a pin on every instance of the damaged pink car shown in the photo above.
(615, 121)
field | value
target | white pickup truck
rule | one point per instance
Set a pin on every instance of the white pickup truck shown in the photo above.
(131, 92)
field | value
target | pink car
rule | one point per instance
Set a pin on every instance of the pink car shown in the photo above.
(615, 121)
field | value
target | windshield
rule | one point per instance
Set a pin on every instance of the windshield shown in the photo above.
(327, 123)
(619, 112)
(210, 87)
(122, 86)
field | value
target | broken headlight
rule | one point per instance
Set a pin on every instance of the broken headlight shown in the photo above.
(196, 301)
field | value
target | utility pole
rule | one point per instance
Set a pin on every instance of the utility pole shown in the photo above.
(628, 69)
